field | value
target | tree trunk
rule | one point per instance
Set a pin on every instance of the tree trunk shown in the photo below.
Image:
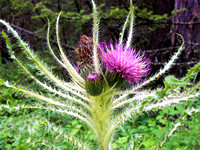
(187, 23)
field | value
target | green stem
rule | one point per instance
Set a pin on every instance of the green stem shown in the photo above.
(102, 118)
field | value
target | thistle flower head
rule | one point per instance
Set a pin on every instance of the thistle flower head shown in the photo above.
(124, 60)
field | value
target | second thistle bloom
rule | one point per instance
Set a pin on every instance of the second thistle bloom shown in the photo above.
(125, 60)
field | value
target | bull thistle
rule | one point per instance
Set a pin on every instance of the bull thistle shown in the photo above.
(98, 93)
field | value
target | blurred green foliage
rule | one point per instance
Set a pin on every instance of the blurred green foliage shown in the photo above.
(76, 19)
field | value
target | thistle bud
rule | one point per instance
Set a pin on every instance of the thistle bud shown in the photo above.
(94, 84)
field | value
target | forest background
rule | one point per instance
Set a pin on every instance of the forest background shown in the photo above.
(156, 25)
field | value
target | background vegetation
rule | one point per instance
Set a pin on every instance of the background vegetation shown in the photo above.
(155, 25)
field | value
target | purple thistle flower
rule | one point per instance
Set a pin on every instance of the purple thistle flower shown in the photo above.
(92, 77)
(124, 60)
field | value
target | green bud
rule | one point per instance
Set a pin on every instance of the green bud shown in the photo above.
(94, 85)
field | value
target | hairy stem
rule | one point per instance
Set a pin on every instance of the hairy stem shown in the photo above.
(102, 118)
